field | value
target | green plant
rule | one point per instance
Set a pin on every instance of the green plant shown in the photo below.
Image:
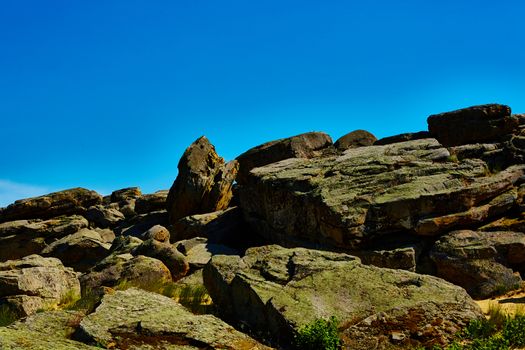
(7, 315)
(321, 334)
(514, 330)
(87, 302)
(69, 299)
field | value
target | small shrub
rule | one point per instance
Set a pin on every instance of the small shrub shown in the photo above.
(69, 299)
(514, 330)
(7, 315)
(319, 335)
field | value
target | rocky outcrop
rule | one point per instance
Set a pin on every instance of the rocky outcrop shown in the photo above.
(476, 124)
(136, 319)
(204, 182)
(139, 224)
(275, 291)
(25, 237)
(481, 262)
(306, 145)
(68, 202)
(369, 193)
(34, 283)
(356, 138)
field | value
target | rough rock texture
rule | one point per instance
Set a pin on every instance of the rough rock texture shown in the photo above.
(356, 138)
(481, 262)
(224, 227)
(409, 136)
(158, 233)
(472, 125)
(81, 250)
(141, 271)
(399, 258)
(136, 319)
(349, 201)
(306, 145)
(48, 330)
(200, 254)
(137, 225)
(72, 201)
(35, 282)
(151, 202)
(204, 182)
(25, 237)
(275, 291)
(125, 194)
(168, 254)
(104, 217)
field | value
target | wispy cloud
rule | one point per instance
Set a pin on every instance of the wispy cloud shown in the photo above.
(11, 191)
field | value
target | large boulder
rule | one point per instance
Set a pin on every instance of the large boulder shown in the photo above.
(125, 194)
(141, 271)
(475, 124)
(481, 262)
(306, 145)
(49, 330)
(369, 193)
(275, 291)
(356, 138)
(167, 253)
(25, 237)
(80, 250)
(204, 183)
(34, 283)
(72, 201)
(136, 319)
(139, 224)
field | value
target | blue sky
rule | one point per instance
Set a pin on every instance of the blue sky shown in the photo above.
(108, 94)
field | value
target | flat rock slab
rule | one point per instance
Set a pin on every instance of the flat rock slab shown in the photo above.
(275, 291)
(348, 201)
(43, 331)
(136, 319)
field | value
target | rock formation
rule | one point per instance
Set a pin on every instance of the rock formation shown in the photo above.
(292, 231)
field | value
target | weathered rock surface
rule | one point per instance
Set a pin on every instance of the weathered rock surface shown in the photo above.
(356, 138)
(223, 227)
(68, 202)
(25, 237)
(275, 291)
(151, 202)
(139, 224)
(167, 253)
(140, 271)
(103, 217)
(204, 182)
(125, 194)
(409, 136)
(481, 262)
(48, 330)
(136, 319)
(158, 233)
(475, 124)
(81, 250)
(35, 282)
(306, 145)
(200, 253)
(349, 201)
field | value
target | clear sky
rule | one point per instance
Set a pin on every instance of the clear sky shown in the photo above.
(108, 94)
